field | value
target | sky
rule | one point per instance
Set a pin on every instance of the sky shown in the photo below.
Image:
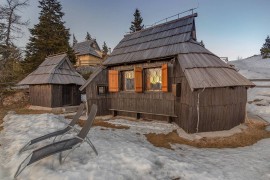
(229, 28)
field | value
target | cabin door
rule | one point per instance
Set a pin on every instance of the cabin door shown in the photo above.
(67, 95)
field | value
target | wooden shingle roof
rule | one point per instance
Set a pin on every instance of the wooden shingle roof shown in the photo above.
(85, 47)
(54, 70)
(163, 40)
(176, 38)
(209, 71)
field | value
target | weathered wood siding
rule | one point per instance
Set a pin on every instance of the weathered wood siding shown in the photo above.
(51, 95)
(57, 95)
(147, 101)
(41, 95)
(219, 108)
(102, 101)
(88, 60)
(74, 97)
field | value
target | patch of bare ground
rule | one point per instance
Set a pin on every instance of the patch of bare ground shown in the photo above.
(255, 132)
(25, 110)
(19, 104)
(103, 123)
(254, 101)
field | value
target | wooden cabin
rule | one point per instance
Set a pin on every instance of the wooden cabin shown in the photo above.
(55, 83)
(163, 73)
(88, 53)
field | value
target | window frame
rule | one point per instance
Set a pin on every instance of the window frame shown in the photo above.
(123, 81)
(103, 86)
(145, 79)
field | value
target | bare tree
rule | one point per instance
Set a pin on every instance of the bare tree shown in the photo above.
(11, 22)
(11, 25)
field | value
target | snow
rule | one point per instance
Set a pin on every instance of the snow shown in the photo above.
(126, 154)
(253, 67)
(259, 98)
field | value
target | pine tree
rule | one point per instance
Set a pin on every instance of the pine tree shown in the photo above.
(88, 36)
(265, 50)
(49, 36)
(74, 40)
(136, 25)
(105, 49)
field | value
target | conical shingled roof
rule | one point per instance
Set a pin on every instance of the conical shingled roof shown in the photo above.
(54, 70)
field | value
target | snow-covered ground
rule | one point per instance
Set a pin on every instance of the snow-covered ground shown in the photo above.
(253, 67)
(259, 98)
(126, 154)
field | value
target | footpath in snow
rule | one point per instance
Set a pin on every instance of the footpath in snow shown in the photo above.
(126, 154)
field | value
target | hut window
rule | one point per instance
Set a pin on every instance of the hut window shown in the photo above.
(128, 80)
(153, 79)
(101, 89)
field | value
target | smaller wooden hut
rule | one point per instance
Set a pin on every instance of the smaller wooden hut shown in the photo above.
(55, 83)
(88, 53)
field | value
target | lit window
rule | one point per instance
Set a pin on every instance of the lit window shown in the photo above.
(153, 79)
(128, 80)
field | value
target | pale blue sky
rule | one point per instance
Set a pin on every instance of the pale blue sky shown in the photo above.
(229, 28)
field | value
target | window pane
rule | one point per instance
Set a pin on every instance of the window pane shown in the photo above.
(153, 79)
(128, 77)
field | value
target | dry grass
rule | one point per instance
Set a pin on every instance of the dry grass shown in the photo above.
(255, 132)
(20, 107)
(104, 124)
(25, 110)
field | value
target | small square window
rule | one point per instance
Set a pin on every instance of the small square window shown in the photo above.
(153, 79)
(101, 89)
(128, 80)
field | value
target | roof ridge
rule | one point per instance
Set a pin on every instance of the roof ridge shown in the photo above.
(162, 24)
(57, 54)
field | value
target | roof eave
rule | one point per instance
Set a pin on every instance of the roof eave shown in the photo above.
(212, 87)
